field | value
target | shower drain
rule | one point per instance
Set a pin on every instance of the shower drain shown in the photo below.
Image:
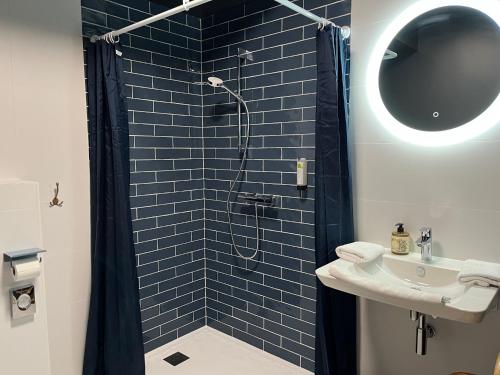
(176, 358)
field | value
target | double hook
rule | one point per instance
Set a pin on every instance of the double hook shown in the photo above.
(55, 201)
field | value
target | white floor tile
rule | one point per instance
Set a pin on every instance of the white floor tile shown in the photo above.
(211, 352)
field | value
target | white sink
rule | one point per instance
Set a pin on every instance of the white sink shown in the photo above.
(407, 282)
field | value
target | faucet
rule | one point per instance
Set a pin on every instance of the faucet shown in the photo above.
(425, 244)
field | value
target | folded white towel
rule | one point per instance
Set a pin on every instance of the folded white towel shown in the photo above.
(475, 272)
(359, 252)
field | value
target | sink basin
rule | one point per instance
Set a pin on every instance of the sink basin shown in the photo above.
(407, 282)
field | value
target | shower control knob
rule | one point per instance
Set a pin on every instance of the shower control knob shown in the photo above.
(24, 302)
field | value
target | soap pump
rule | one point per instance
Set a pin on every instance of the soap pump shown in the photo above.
(400, 243)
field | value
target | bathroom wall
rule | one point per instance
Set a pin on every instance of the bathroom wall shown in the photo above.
(165, 116)
(43, 138)
(21, 229)
(268, 302)
(453, 189)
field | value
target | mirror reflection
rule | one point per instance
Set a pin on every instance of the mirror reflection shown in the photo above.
(442, 69)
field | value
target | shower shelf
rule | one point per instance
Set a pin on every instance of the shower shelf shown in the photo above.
(265, 200)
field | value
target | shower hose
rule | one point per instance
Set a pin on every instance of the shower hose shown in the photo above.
(233, 185)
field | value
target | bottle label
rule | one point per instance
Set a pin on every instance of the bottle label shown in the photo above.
(400, 246)
(403, 246)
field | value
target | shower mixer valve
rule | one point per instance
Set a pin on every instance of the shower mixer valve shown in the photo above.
(264, 200)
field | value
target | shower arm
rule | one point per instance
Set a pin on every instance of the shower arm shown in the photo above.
(239, 106)
(239, 98)
(232, 93)
(240, 101)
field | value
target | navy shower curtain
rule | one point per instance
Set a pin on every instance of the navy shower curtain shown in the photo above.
(114, 334)
(335, 310)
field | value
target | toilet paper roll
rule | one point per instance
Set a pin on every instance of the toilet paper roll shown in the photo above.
(26, 269)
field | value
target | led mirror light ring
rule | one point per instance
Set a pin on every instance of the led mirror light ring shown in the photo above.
(486, 120)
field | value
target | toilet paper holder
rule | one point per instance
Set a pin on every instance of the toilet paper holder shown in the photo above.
(12, 256)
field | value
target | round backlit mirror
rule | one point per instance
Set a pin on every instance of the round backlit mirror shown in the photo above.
(434, 76)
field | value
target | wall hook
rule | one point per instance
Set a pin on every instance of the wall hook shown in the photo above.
(55, 201)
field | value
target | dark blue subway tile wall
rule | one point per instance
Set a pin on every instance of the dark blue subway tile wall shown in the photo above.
(162, 64)
(183, 151)
(268, 302)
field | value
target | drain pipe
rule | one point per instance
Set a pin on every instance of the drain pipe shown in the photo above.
(423, 332)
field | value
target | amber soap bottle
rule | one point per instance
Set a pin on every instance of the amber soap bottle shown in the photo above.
(400, 242)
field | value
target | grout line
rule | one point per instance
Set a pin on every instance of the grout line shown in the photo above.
(211, 166)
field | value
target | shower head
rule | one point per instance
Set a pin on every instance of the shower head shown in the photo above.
(215, 82)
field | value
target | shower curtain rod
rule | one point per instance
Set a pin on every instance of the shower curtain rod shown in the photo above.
(346, 30)
(188, 4)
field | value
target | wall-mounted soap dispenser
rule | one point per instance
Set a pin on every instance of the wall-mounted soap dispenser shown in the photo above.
(301, 175)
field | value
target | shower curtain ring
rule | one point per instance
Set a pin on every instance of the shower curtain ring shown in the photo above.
(110, 38)
(323, 24)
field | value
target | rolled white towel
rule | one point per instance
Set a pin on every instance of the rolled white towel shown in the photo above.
(359, 252)
(475, 272)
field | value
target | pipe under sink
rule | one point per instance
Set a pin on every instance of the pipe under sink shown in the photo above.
(423, 332)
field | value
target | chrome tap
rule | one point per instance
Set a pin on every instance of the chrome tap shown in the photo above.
(425, 244)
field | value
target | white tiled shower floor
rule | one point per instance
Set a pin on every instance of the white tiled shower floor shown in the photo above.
(211, 352)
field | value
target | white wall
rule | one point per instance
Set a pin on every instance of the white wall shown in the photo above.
(453, 189)
(20, 228)
(43, 138)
